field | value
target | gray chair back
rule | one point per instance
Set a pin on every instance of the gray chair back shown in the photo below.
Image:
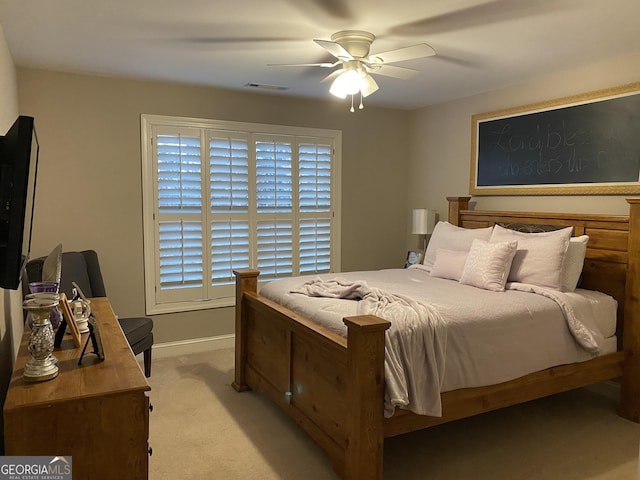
(79, 267)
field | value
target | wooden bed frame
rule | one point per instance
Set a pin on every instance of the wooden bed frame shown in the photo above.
(334, 387)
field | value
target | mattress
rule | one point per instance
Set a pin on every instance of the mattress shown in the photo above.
(491, 337)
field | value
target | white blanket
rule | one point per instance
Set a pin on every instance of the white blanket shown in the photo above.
(577, 310)
(490, 337)
(415, 343)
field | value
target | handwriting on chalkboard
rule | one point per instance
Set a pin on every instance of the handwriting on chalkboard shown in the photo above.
(590, 143)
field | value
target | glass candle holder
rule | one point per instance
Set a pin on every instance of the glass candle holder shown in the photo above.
(47, 287)
(42, 365)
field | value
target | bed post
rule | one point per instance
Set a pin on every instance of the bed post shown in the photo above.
(630, 389)
(457, 204)
(365, 396)
(246, 281)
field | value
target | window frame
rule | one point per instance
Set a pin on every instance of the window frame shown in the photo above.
(150, 195)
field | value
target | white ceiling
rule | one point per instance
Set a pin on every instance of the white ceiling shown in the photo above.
(481, 45)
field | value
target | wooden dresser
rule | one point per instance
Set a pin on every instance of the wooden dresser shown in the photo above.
(97, 413)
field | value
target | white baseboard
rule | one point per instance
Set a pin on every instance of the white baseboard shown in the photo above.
(194, 345)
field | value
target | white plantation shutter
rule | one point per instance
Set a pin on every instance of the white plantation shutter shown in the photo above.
(228, 195)
(180, 254)
(274, 187)
(314, 188)
(229, 249)
(275, 248)
(229, 177)
(229, 173)
(179, 173)
(315, 246)
(315, 177)
(274, 206)
(179, 211)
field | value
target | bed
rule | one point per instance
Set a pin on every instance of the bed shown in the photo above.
(334, 386)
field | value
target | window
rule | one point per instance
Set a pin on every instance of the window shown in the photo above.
(219, 196)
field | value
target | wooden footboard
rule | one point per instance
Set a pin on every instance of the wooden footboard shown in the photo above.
(331, 386)
(334, 387)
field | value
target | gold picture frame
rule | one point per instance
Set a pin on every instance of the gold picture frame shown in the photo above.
(70, 320)
(580, 145)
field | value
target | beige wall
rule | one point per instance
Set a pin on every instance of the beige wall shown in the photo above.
(89, 193)
(441, 141)
(10, 301)
(8, 87)
(393, 161)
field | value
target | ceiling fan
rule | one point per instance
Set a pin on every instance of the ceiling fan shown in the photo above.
(352, 50)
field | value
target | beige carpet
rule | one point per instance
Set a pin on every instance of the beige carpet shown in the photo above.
(201, 428)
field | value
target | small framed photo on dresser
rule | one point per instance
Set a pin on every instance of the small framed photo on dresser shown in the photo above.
(413, 258)
(94, 338)
(69, 319)
(96, 335)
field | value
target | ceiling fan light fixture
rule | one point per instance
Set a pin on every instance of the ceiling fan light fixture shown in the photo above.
(347, 83)
(368, 85)
(353, 79)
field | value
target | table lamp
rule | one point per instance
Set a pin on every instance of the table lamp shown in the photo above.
(424, 221)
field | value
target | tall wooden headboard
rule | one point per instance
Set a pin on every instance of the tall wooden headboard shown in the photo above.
(611, 262)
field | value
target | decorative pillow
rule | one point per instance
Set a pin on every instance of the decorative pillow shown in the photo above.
(449, 264)
(488, 264)
(573, 262)
(539, 258)
(451, 237)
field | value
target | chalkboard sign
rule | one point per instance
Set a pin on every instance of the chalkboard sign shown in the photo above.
(587, 144)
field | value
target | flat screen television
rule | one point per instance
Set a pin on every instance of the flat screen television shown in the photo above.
(19, 151)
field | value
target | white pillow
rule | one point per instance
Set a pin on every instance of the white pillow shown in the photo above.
(488, 264)
(451, 237)
(449, 264)
(539, 258)
(573, 262)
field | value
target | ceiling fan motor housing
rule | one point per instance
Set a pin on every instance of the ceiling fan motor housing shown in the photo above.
(356, 42)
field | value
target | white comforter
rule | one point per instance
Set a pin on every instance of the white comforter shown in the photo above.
(459, 336)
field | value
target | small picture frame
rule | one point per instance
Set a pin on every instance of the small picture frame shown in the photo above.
(413, 258)
(94, 332)
(69, 320)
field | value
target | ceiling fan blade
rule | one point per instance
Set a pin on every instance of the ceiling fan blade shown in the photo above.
(323, 65)
(401, 54)
(332, 75)
(336, 9)
(254, 39)
(485, 13)
(254, 34)
(392, 71)
(334, 49)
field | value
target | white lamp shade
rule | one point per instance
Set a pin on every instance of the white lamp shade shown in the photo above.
(424, 221)
(368, 85)
(347, 83)
(352, 80)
